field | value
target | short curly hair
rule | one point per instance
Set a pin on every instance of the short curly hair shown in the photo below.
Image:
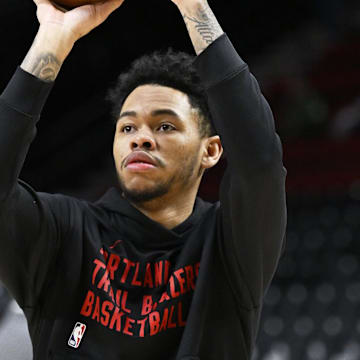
(170, 68)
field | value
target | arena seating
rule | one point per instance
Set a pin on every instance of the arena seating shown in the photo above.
(311, 311)
(4, 301)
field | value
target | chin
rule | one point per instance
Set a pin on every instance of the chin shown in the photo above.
(141, 191)
(138, 184)
(143, 195)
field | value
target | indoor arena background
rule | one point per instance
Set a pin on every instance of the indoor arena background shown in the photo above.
(306, 56)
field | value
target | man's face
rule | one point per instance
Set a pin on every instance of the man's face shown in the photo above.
(157, 146)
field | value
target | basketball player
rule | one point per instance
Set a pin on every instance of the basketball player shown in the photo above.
(150, 271)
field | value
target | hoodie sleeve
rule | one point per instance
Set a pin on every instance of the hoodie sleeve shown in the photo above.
(28, 234)
(252, 194)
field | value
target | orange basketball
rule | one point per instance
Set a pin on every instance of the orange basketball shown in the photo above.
(74, 3)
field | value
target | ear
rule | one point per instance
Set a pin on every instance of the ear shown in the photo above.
(212, 152)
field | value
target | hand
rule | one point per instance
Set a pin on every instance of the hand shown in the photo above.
(77, 22)
(59, 30)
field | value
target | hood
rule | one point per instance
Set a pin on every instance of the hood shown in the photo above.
(134, 220)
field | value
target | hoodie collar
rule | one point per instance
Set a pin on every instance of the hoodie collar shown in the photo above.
(114, 201)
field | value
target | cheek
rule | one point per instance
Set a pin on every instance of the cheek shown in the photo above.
(117, 153)
(115, 146)
(187, 153)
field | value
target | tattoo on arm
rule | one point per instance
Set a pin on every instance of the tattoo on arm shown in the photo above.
(203, 28)
(46, 67)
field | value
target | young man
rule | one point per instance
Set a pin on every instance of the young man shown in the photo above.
(149, 271)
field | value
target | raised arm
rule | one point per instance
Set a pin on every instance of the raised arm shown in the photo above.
(252, 196)
(28, 233)
(200, 21)
(58, 31)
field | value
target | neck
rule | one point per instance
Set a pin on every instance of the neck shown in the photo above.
(169, 210)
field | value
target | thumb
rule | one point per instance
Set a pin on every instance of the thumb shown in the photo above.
(38, 2)
(104, 8)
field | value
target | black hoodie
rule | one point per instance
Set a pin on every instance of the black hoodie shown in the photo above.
(103, 281)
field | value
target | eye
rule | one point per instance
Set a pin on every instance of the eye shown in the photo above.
(127, 128)
(166, 127)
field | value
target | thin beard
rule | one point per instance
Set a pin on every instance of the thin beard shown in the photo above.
(138, 197)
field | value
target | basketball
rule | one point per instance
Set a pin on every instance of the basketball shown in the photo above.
(74, 3)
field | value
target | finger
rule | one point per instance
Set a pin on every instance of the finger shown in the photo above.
(40, 2)
(48, 2)
(105, 8)
(57, 6)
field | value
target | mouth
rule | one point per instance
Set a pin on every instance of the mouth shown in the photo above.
(139, 160)
(140, 166)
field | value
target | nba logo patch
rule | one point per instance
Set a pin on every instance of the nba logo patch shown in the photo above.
(77, 335)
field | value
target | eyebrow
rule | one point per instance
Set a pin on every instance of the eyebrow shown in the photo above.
(154, 113)
(165, 112)
(127, 113)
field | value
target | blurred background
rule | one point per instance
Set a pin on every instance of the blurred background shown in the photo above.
(306, 56)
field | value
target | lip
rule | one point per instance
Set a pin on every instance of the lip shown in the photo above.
(140, 157)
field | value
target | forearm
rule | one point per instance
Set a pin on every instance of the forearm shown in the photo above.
(20, 107)
(48, 52)
(240, 113)
(201, 23)
(23, 99)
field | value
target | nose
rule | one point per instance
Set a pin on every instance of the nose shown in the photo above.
(143, 141)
